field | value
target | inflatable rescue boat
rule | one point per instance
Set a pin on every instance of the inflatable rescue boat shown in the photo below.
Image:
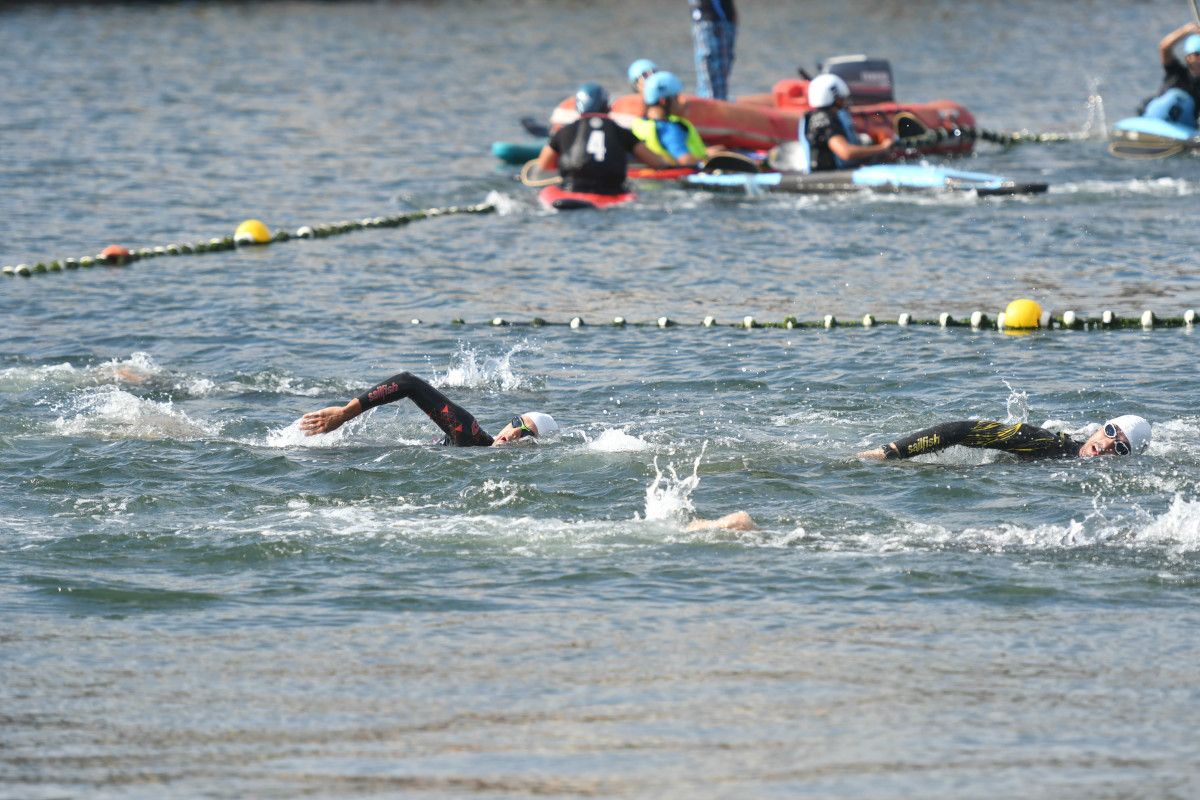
(760, 122)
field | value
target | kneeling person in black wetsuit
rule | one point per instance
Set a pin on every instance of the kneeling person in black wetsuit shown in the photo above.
(592, 152)
(460, 427)
(1121, 436)
(828, 129)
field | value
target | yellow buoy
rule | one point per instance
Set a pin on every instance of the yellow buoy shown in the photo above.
(1022, 314)
(252, 231)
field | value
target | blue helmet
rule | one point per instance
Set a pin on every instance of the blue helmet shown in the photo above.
(1191, 44)
(591, 99)
(661, 85)
(642, 68)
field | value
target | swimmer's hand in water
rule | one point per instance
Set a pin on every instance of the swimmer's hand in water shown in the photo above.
(880, 453)
(329, 419)
(737, 521)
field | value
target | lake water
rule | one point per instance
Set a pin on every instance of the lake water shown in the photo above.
(197, 600)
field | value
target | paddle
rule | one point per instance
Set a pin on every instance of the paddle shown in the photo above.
(535, 128)
(1146, 146)
(532, 176)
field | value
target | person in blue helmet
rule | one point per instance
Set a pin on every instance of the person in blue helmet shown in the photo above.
(714, 32)
(1178, 99)
(662, 129)
(639, 72)
(592, 152)
(827, 130)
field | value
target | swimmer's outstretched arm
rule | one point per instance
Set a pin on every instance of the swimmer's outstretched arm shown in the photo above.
(929, 440)
(1026, 441)
(330, 418)
(460, 427)
(737, 521)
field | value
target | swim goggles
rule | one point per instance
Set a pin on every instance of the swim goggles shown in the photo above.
(1111, 432)
(523, 429)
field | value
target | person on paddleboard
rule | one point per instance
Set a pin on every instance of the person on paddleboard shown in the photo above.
(1181, 81)
(662, 129)
(827, 130)
(1124, 435)
(592, 152)
(459, 425)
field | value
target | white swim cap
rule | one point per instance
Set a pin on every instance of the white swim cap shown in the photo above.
(545, 424)
(1136, 430)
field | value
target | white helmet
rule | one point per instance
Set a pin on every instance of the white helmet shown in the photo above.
(823, 90)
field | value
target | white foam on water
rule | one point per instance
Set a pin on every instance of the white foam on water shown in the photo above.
(506, 205)
(291, 436)
(114, 413)
(1135, 187)
(1178, 528)
(613, 440)
(497, 493)
(137, 368)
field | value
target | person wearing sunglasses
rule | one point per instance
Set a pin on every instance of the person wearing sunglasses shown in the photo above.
(458, 425)
(1121, 436)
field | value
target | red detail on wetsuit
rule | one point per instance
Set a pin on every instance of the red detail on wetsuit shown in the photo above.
(381, 390)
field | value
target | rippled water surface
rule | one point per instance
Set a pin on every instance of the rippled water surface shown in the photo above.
(197, 600)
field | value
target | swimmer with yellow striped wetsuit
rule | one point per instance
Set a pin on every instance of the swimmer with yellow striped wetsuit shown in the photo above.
(1125, 435)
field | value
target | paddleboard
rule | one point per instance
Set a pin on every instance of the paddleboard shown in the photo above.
(558, 198)
(1144, 138)
(516, 152)
(882, 177)
(1153, 126)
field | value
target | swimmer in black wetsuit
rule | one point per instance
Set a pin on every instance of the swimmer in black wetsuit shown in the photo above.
(1121, 436)
(460, 427)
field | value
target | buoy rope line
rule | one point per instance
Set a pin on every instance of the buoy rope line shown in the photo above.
(937, 135)
(250, 232)
(1069, 320)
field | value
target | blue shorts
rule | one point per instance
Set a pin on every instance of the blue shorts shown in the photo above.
(714, 57)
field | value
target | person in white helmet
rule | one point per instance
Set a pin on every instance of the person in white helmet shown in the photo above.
(459, 427)
(1125, 435)
(827, 130)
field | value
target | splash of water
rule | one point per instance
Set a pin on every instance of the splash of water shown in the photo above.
(471, 370)
(1017, 405)
(617, 441)
(669, 497)
(1096, 125)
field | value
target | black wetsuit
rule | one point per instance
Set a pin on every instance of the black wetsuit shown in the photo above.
(821, 125)
(592, 154)
(1176, 75)
(460, 427)
(1024, 441)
